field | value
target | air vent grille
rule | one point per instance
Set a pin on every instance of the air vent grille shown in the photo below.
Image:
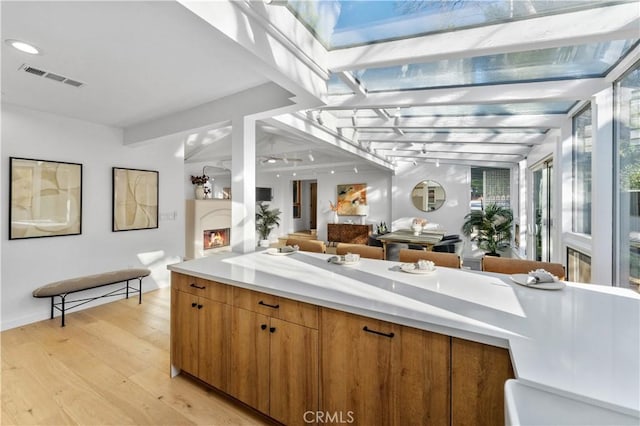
(34, 71)
(52, 76)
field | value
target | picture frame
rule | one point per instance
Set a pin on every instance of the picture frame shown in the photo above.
(45, 198)
(135, 194)
(350, 198)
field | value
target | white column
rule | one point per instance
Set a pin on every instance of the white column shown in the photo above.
(243, 185)
(602, 189)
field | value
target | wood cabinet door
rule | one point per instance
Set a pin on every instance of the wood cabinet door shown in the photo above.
(356, 368)
(294, 372)
(249, 358)
(213, 339)
(184, 331)
(422, 366)
(477, 383)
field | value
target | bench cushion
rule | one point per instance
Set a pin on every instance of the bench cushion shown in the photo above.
(89, 281)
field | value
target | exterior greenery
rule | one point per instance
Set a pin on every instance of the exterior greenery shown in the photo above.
(490, 227)
(266, 220)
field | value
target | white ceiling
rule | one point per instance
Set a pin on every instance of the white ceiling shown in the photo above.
(138, 60)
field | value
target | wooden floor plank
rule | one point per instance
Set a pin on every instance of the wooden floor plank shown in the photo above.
(25, 402)
(196, 401)
(109, 365)
(76, 398)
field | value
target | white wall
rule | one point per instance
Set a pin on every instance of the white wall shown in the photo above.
(455, 180)
(30, 263)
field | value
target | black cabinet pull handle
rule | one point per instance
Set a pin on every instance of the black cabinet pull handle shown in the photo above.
(197, 286)
(263, 326)
(199, 306)
(272, 329)
(193, 305)
(268, 305)
(379, 333)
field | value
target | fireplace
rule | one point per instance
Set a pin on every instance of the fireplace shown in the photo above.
(214, 238)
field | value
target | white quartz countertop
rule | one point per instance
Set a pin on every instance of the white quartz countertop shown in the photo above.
(582, 342)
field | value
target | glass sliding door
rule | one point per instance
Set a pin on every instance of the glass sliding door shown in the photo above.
(627, 156)
(581, 165)
(542, 221)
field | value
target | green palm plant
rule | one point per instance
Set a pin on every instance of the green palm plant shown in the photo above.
(266, 220)
(490, 227)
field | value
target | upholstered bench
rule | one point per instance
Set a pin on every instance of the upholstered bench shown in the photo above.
(63, 288)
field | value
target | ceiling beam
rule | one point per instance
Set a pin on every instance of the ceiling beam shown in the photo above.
(586, 26)
(540, 91)
(514, 158)
(540, 121)
(353, 84)
(522, 138)
(298, 124)
(462, 147)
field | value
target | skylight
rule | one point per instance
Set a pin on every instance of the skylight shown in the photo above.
(571, 62)
(346, 23)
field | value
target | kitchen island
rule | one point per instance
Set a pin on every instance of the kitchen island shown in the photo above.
(581, 343)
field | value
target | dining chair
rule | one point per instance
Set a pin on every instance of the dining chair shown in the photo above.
(361, 249)
(448, 260)
(315, 246)
(507, 265)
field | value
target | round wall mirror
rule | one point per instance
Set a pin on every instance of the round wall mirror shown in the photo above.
(428, 195)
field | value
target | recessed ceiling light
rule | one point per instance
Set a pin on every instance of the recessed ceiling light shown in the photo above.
(23, 46)
(333, 171)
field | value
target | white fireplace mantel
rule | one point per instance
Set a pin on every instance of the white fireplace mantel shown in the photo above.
(201, 215)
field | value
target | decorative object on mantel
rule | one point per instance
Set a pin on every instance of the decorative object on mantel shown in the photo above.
(350, 197)
(266, 220)
(417, 225)
(490, 227)
(199, 190)
(334, 209)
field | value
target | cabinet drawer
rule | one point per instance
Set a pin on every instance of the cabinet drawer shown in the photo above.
(277, 307)
(201, 287)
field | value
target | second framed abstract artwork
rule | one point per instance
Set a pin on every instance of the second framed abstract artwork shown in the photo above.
(135, 199)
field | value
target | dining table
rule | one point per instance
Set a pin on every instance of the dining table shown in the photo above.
(426, 239)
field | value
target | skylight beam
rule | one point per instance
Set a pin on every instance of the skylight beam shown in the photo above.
(540, 91)
(522, 138)
(542, 121)
(353, 84)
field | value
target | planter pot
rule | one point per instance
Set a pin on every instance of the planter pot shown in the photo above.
(198, 191)
(492, 254)
(264, 243)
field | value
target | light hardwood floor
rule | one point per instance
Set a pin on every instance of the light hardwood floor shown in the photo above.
(108, 366)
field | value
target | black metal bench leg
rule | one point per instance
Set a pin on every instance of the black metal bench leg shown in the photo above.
(127, 289)
(52, 297)
(140, 291)
(62, 297)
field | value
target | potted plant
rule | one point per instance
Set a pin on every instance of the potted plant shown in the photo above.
(199, 189)
(490, 227)
(266, 220)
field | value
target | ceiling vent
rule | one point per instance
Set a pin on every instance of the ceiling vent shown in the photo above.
(51, 76)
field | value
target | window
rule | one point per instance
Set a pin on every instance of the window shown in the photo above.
(296, 200)
(627, 177)
(490, 186)
(581, 166)
(578, 266)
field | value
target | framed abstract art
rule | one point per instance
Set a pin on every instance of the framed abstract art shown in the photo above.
(135, 199)
(45, 198)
